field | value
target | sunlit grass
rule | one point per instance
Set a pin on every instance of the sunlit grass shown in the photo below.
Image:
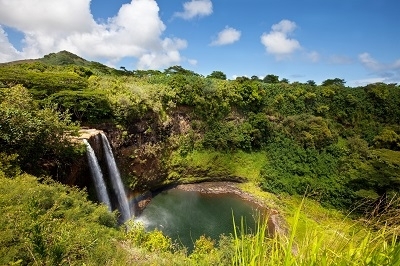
(241, 164)
(315, 246)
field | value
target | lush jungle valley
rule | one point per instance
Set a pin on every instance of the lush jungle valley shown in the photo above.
(325, 157)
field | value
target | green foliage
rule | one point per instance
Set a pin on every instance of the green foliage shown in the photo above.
(334, 143)
(262, 129)
(80, 66)
(180, 71)
(311, 82)
(358, 147)
(270, 78)
(215, 165)
(204, 251)
(131, 98)
(9, 164)
(85, 105)
(153, 241)
(228, 136)
(335, 81)
(36, 135)
(388, 139)
(297, 170)
(284, 80)
(309, 131)
(319, 246)
(217, 75)
(379, 173)
(187, 87)
(42, 80)
(63, 58)
(50, 224)
(232, 135)
(146, 73)
(384, 100)
(214, 100)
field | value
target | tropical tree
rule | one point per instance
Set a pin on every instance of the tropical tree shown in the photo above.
(179, 70)
(270, 78)
(311, 82)
(335, 81)
(217, 75)
(84, 105)
(37, 135)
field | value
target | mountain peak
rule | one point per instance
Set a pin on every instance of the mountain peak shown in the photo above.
(63, 58)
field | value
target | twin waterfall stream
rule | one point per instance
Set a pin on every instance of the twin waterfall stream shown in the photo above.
(183, 215)
(114, 177)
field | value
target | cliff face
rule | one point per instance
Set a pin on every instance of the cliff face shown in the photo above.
(141, 149)
(138, 150)
(79, 173)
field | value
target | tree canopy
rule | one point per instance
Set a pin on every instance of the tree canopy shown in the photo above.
(335, 144)
(217, 75)
(323, 127)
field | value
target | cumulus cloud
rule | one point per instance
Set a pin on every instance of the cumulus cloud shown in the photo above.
(168, 55)
(7, 51)
(277, 42)
(227, 36)
(51, 16)
(195, 8)
(54, 25)
(387, 72)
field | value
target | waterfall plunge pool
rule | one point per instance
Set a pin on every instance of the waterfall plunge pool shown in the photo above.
(184, 216)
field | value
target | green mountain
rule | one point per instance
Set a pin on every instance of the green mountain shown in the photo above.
(64, 59)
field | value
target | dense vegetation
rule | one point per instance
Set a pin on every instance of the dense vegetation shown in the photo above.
(335, 144)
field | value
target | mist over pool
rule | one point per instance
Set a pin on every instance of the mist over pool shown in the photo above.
(186, 215)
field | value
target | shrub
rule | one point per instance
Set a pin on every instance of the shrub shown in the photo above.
(51, 224)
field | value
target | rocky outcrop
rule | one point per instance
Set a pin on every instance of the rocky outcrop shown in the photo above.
(79, 174)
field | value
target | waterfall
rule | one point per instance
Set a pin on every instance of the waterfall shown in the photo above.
(116, 181)
(97, 176)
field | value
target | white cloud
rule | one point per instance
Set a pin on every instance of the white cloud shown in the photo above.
(7, 50)
(387, 72)
(169, 55)
(364, 82)
(284, 26)
(367, 60)
(313, 56)
(277, 41)
(193, 62)
(195, 8)
(51, 16)
(54, 25)
(227, 36)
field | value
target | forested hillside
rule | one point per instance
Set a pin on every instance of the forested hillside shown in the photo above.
(338, 144)
(335, 144)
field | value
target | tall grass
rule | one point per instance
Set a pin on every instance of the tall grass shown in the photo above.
(316, 247)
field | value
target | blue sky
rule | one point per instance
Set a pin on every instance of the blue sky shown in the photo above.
(357, 40)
